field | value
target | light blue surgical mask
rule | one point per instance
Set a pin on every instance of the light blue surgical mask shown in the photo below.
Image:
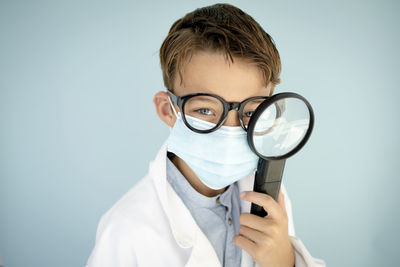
(219, 158)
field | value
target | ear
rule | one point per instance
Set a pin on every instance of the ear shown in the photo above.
(163, 108)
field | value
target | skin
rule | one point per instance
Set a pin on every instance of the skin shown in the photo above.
(265, 239)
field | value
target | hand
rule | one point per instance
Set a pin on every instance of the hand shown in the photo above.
(266, 239)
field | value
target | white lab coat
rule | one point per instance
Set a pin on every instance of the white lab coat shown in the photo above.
(151, 226)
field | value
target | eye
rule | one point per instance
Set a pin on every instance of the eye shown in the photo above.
(204, 111)
(248, 114)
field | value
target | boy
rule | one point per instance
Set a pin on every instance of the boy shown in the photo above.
(187, 210)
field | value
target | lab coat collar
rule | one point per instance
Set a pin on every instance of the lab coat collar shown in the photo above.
(184, 228)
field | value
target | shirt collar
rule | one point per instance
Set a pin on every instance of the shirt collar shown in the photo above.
(183, 225)
(190, 196)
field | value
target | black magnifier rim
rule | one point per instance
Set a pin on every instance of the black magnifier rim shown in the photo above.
(263, 106)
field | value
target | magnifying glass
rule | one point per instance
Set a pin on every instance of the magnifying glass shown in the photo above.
(279, 127)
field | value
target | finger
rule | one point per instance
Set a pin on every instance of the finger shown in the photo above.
(257, 223)
(267, 202)
(253, 221)
(256, 236)
(245, 243)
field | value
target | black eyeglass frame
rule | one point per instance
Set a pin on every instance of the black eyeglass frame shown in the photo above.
(227, 106)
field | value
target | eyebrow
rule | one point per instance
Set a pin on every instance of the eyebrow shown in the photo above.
(207, 91)
(200, 90)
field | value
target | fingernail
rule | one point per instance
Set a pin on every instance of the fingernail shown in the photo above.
(243, 194)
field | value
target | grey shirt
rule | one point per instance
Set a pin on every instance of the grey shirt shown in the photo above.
(217, 217)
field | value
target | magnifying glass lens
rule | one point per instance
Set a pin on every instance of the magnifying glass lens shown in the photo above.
(265, 122)
(281, 127)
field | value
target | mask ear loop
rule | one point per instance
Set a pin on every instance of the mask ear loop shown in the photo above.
(172, 106)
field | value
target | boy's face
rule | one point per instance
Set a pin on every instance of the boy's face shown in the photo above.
(209, 72)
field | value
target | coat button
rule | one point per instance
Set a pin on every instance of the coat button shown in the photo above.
(230, 221)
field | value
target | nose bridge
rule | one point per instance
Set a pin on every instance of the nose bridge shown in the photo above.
(232, 118)
(234, 105)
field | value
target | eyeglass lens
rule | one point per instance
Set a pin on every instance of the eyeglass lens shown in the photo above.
(211, 109)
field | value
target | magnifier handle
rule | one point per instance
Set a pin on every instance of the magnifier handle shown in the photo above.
(267, 180)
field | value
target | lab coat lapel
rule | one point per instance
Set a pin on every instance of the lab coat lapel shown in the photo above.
(184, 228)
(246, 184)
(188, 234)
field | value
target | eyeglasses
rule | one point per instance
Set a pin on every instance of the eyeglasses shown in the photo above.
(214, 110)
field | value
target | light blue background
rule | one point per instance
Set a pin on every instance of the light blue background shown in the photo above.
(78, 126)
